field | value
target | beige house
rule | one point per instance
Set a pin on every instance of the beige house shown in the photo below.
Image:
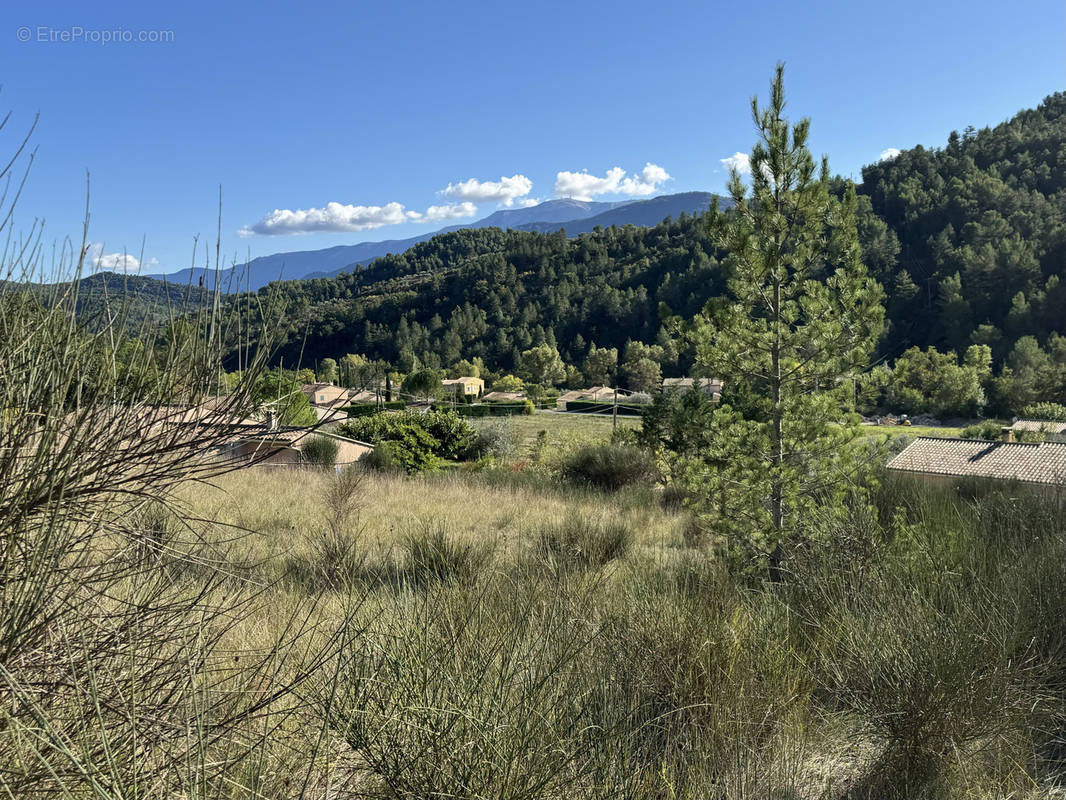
(595, 394)
(712, 387)
(325, 394)
(284, 448)
(504, 397)
(469, 386)
(1052, 431)
(944, 460)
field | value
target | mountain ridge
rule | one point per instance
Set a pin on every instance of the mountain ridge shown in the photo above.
(549, 216)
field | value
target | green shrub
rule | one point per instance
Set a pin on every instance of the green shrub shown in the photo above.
(320, 451)
(495, 409)
(583, 542)
(413, 448)
(455, 436)
(986, 429)
(609, 467)
(366, 409)
(381, 459)
(1050, 412)
(495, 439)
(434, 557)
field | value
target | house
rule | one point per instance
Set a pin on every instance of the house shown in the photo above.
(1052, 431)
(712, 387)
(325, 394)
(284, 447)
(504, 397)
(596, 394)
(944, 460)
(472, 387)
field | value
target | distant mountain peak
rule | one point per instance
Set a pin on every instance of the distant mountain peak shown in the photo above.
(575, 216)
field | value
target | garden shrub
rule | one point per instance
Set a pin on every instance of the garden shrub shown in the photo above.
(495, 439)
(609, 467)
(1050, 412)
(986, 429)
(320, 451)
(418, 441)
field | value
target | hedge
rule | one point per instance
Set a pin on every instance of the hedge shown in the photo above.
(492, 410)
(364, 409)
(592, 407)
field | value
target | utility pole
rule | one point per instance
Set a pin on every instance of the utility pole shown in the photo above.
(614, 413)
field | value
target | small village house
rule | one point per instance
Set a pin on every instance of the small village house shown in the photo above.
(470, 386)
(325, 394)
(1041, 465)
(1022, 429)
(596, 394)
(504, 397)
(712, 387)
(284, 448)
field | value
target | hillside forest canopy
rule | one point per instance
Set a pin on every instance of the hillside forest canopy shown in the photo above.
(968, 242)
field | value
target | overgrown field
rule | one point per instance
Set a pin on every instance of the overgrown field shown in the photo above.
(529, 642)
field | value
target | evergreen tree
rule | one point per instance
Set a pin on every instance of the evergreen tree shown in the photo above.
(800, 322)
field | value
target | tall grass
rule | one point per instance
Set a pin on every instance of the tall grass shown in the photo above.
(915, 651)
(122, 670)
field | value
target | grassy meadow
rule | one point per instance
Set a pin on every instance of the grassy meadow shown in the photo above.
(564, 429)
(491, 639)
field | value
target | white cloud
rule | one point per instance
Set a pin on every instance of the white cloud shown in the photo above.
(451, 211)
(529, 202)
(114, 262)
(584, 186)
(334, 218)
(889, 153)
(741, 162)
(340, 218)
(505, 190)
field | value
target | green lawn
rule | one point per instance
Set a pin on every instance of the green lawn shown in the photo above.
(569, 428)
(914, 430)
(566, 428)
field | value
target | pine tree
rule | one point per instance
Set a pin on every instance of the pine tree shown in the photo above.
(798, 326)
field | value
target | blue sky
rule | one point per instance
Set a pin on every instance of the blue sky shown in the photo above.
(379, 107)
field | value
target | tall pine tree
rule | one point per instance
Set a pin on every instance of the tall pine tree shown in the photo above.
(798, 325)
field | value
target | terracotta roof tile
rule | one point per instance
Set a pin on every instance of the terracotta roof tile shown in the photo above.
(1031, 463)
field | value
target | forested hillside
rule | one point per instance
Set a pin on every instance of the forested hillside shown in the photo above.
(967, 240)
(981, 225)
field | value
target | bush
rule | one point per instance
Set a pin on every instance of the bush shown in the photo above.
(414, 449)
(454, 434)
(986, 429)
(434, 557)
(610, 467)
(495, 409)
(320, 451)
(381, 459)
(366, 409)
(412, 446)
(1050, 412)
(495, 439)
(583, 542)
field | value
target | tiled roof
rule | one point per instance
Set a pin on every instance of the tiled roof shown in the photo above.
(1032, 463)
(1038, 425)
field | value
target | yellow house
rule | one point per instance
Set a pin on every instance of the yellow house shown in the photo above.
(467, 385)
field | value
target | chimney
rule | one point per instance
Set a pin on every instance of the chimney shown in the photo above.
(271, 421)
(1008, 434)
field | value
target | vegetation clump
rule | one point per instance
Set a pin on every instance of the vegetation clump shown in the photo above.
(608, 467)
